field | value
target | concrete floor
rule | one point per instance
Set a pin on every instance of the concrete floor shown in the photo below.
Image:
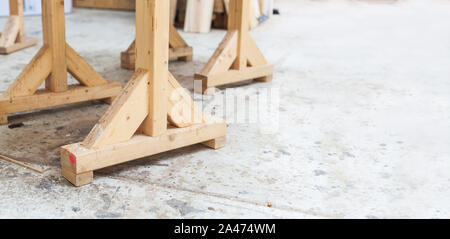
(364, 128)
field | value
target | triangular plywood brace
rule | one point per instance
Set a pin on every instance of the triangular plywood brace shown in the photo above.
(152, 114)
(50, 65)
(13, 36)
(128, 113)
(178, 50)
(237, 58)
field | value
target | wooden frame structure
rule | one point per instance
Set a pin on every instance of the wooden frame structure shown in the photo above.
(51, 65)
(237, 58)
(106, 4)
(136, 124)
(178, 50)
(13, 37)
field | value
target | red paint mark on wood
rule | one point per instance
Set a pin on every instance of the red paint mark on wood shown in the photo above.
(72, 158)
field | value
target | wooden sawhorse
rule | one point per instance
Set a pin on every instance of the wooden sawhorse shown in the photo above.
(136, 124)
(179, 50)
(51, 65)
(237, 58)
(13, 37)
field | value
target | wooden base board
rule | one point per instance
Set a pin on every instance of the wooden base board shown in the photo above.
(19, 46)
(216, 143)
(128, 58)
(44, 98)
(268, 78)
(78, 161)
(78, 179)
(261, 73)
(3, 118)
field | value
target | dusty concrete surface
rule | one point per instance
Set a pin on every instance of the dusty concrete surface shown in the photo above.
(364, 124)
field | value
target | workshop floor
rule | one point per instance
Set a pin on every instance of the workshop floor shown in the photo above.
(364, 124)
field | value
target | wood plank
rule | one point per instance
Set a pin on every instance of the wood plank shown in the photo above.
(198, 16)
(128, 58)
(152, 40)
(179, 50)
(78, 179)
(261, 5)
(128, 5)
(219, 6)
(227, 5)
(238, 20)
(255, 56)
(216, 143)
(182, 111)
(233, 76)
(10, 32)
(3, 118)
(86, 160)
(81, 70)
(19, 46)
(53, 23)
(44, 98)
(175, 39)
(33, 75)
(125, 115)
(16, 8)
(108, 4)
(224, 56)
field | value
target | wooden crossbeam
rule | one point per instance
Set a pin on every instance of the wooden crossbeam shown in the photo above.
(79, 162)
(13, 37)
(45, 98)
(179, 50)
(152, 114)
(237, 58)
(51, 65)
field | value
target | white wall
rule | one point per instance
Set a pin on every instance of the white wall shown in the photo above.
(4, 10)
(32, 7)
